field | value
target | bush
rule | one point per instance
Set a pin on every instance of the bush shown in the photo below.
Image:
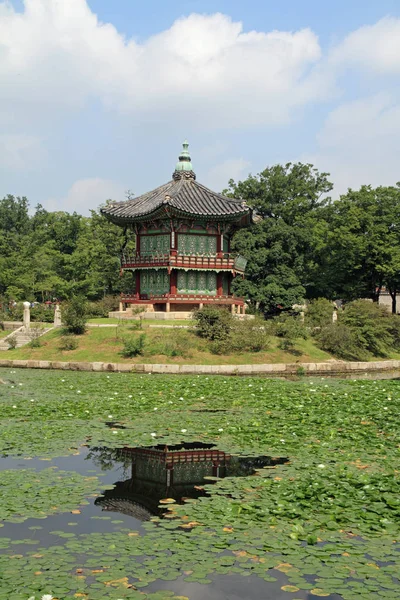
(244, 336)
(178, 345)
(213, 323)
(102, 307)
(289, 328)
(133, 346)
(371, 325)
(340, 340)
(319, 313)
(75, 315)
(68, 342)
(36, 341)
(43, 313)
(12, 342)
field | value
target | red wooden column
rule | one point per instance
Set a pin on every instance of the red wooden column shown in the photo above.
(138, 283)
(173, 282)
(220, 242)
(137, 244)
(220, 289)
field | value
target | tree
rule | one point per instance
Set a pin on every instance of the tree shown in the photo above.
(363, 244)
(280, 247)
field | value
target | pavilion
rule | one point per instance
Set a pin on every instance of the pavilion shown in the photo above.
(182, 258)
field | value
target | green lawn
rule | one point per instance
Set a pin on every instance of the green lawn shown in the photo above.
(104, 344)
(321, 516)
(145, 322)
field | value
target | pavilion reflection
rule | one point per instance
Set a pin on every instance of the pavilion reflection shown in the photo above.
(176, 472)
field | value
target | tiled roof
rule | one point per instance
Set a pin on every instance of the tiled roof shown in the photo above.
(181, 196)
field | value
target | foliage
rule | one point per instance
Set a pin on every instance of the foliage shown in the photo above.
(12, 342)
(244, 336)
(101, 308)
(364, 330)
(213, 323)
(68, 342)
(371, 326)
(327, 520)
(362, 250)
(289, 328)
(341, 341)
(134, 346)
(319, 313)
(75, 315)
(281, 246)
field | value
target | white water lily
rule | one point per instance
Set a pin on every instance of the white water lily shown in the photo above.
(47, 597)
(78, 392)
(321, 466)
(110, 416)
(153, 435)
(130, 396)
(115, 431)
(14, 406)
(220, 429)
(183, 430)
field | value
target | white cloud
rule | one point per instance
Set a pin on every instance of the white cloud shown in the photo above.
(20, 151)
(232, 168)
(57, 54)
(360, 143)
(87, 194)
(372, 47)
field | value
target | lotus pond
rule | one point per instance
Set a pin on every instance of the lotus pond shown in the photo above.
(125, 486)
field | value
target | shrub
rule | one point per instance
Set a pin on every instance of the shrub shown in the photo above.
(68, 342)
(12, 342)
(36, 341)
(340, 340)
(213, 323)
(102, 307)
(133, 346)
(42, 313)
(319, 313)
(371, 326)
(75, 315)
(179, 344)
(249, 335)
(289, 328)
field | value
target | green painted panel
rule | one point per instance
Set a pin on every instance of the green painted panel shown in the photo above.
(197, 244)
(226, 244)
(153, 244)
(154, 281)
(197, 282)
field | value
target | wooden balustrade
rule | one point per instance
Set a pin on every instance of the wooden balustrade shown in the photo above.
(183, 261)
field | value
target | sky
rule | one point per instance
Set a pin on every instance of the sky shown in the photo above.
(97, 96)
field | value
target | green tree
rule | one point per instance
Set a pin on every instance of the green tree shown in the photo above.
(363, 244)
(281, 246)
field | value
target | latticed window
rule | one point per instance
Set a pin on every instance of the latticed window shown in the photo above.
(197, 282)
(154, 244)
(197, 244)
(154, 282)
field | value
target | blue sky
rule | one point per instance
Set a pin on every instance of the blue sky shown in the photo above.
(98, 95)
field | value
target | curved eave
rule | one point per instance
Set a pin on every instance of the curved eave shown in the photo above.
(166, 211)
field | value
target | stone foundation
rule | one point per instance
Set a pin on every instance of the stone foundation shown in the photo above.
(271, 370)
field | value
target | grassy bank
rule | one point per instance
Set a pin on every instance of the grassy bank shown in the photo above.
(106, 344)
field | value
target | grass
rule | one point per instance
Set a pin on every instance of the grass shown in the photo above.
(145, 322)
(105, 345)
(4, 333)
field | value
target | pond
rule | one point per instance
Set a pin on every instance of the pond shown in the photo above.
(127, 486)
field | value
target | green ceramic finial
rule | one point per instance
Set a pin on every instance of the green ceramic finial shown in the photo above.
(184, 163)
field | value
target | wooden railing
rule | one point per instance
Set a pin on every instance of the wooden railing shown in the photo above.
(134, 298)
(223, 261)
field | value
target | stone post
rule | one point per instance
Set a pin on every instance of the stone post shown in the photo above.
(27, 315)
(232, 308)
(167, 307)
(57, 316)
(121, 307)
(334, 316)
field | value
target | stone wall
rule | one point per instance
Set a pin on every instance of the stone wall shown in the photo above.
(328, 368)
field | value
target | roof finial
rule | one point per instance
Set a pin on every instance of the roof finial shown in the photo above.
(184, 168)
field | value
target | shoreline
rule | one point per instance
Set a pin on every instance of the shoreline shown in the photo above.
(312, 368)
